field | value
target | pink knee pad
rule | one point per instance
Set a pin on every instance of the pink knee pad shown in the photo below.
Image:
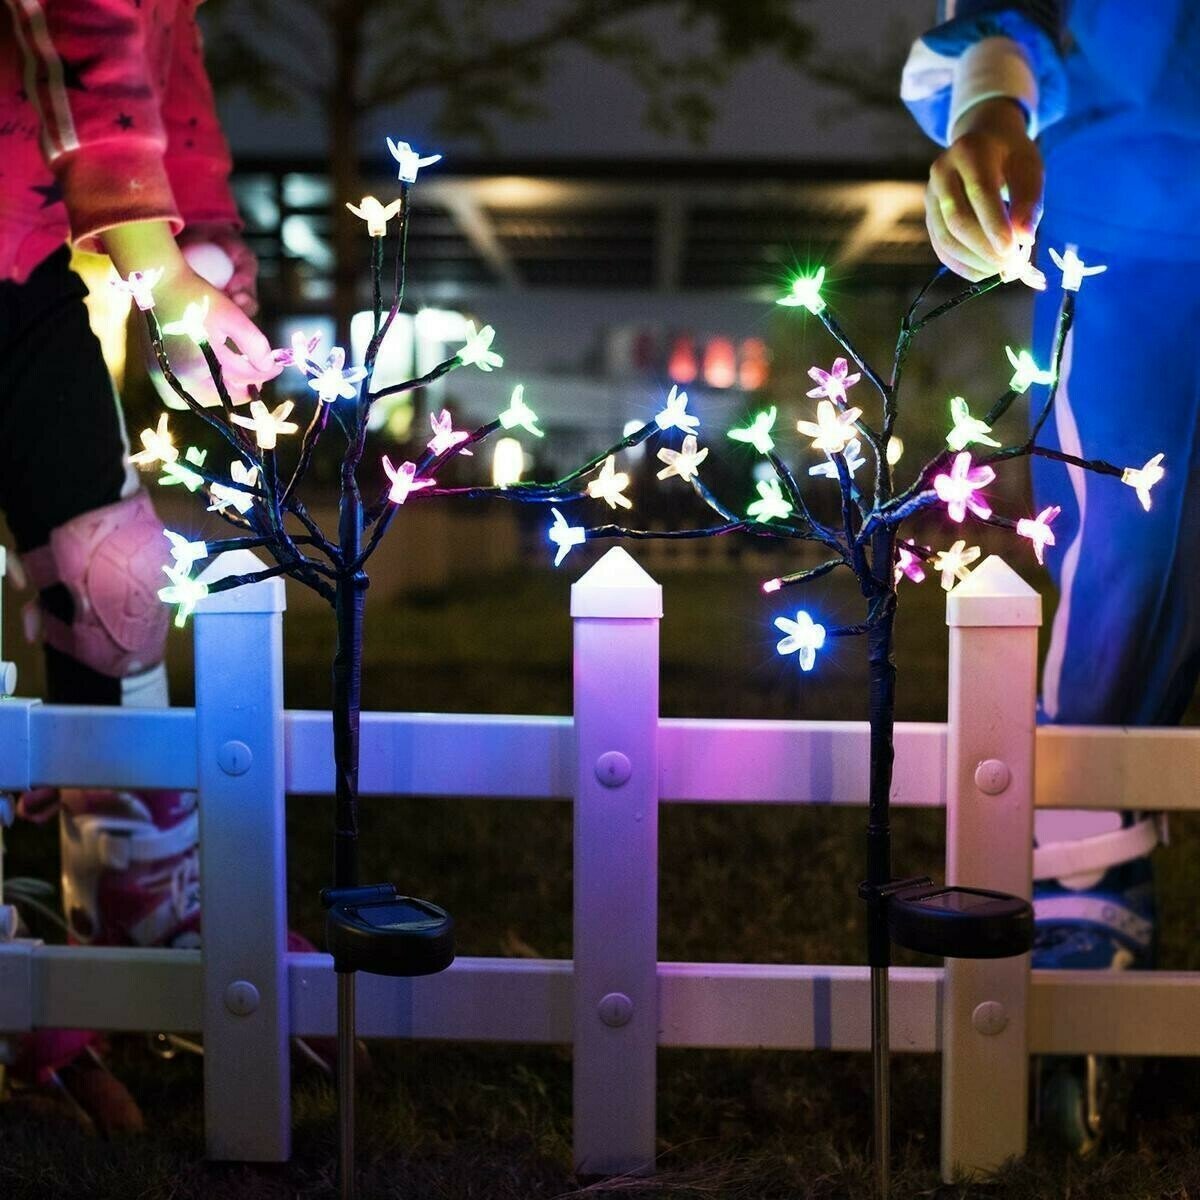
(110, 560)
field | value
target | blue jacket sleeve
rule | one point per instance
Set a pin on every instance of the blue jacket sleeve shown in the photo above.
(1036, 25)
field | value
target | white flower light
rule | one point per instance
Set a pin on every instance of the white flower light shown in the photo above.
(267, 425)
(758, 432)
(565, 536)
(854, 459)
(138, 284)
(803, 637)
(684, 462)
(224, 495)
(1074, 269)
(1143, 478)
(185, 552)
(833, 430)
(1017, 265)
(191, 324)
(175, 472)
(967, 429)
(518, 414)
(158, 446)
(410, 162)
(375, 214)
(478, 351)
(610, 485)
(1038, 530)
(771, 504)
(674, 414)
(1025, 371)
(335, 379)
(955, 563)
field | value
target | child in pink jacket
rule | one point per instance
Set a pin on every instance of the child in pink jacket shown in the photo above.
(108, 141)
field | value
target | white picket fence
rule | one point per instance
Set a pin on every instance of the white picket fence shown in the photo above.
(618, 760)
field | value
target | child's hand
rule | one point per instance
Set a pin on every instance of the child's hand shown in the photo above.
(241, 348)
(971, 230)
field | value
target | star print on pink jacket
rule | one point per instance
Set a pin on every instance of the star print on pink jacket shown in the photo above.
(106, 117)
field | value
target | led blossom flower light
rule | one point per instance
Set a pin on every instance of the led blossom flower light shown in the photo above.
(1026, 372)
(157, 446)
(445, 436)
(224, 496)
(770, 504)
(832, 384)
(300, 355)
(335, 379)
(908, 564)
(404, 480)
(1017, 266)
(832, 431)
(958, 489)
(182, 591)
(806, 293)
(191, 324)
(375, 214)
(955, 563)
(684, 462)
(139, 285)
(565, 536)
(802, 637)
(1143, 478)
(967, 429)
(610, 485)
(175, 472)
(267, 425)
(1038, 531)
(758, 432)
(185, 552)
(674, 414)
(478, 351)
(410, 162)
(518, 414)
(1074, 269)
(854, 459)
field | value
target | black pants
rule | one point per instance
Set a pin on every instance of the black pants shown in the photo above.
(62, 445)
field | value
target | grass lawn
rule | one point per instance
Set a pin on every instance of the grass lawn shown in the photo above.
(494, 1122)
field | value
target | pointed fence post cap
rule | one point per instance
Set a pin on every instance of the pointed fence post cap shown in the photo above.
(993, 595)
(265, 596)
(616, 586)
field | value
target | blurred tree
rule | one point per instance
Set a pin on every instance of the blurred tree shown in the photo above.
(477, 60)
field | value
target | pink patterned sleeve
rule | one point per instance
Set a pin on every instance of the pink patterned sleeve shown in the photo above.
(91, 68)
(197, 157)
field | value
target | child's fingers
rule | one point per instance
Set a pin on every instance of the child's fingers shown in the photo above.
(947, 247)
(958, 214)
(981, 183)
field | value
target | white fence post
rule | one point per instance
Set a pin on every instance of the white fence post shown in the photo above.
(243, 882)
(616, 609)
(993, 617)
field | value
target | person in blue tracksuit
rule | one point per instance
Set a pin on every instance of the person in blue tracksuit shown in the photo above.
(1085, 117)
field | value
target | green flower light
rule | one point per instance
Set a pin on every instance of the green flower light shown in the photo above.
(806, 293)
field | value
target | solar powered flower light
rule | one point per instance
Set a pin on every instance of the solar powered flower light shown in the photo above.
(257, 492)
(868, 542)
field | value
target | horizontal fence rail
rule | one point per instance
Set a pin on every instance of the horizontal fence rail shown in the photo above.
(533, 758)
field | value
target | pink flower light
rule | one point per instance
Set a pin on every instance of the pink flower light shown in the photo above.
(833, 383)
(445, 436)
(958, 489)
(908, 564)
(772, 585)
(1038, 530)
(404, 480)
